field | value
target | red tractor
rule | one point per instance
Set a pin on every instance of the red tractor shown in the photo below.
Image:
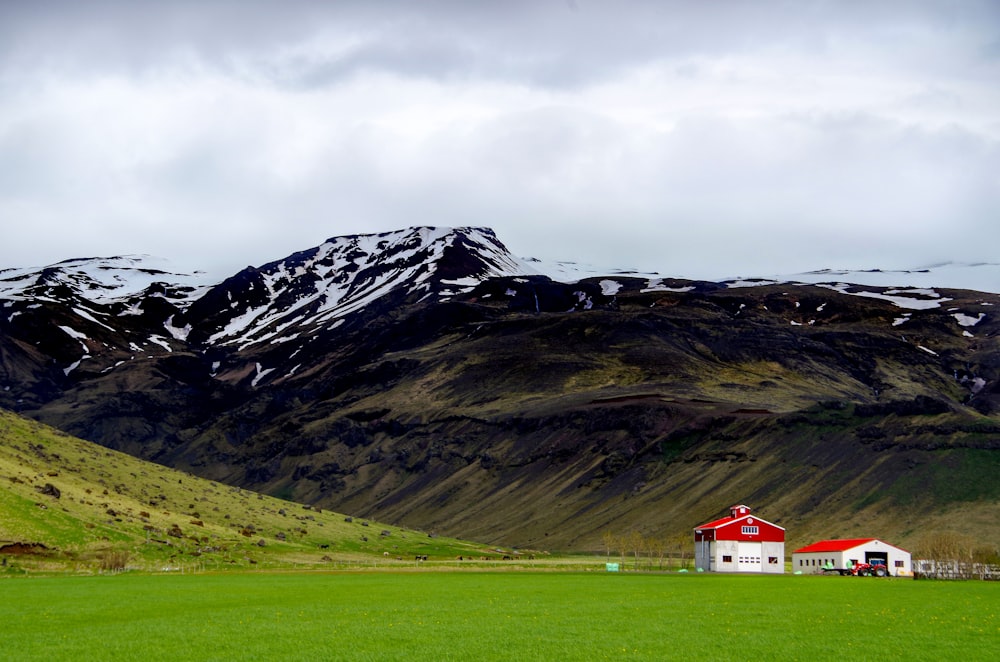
(874, 569)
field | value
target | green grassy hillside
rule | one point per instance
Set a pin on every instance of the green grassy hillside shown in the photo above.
(70, 503)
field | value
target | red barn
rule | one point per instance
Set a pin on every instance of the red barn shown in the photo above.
(740, 543)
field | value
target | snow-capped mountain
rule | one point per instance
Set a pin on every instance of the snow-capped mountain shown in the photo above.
(98, 290)
(84, 308)
(344, 274)
(137, 304)
(306, 290)
(317, 288)
(102, 280)
(110, 307)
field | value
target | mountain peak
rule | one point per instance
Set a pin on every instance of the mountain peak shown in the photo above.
(317, 287)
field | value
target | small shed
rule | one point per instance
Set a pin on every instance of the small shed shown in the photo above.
(740, 543)
(841, 554)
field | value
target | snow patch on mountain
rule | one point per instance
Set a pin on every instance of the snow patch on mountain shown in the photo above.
(914, 299)
(753, 282)
(261, 374)
(73, 333)
(657, 285)
(968, 320)
(574, 272)
(610, 287)
(74, 365)
(178, 333)
(162, 342)
(977, 276)
(90, 318)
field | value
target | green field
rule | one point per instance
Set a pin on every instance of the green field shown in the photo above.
(521, 615)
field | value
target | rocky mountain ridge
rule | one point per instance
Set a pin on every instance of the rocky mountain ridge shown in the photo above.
(430, 378)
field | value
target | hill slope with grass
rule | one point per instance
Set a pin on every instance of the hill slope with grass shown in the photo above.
(64, 501)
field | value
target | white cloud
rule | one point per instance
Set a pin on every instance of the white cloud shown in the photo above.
(752, 139)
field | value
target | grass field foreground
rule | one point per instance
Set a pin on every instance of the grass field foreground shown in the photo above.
(495, 616)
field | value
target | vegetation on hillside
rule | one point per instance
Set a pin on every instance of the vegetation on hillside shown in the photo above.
(71, 503)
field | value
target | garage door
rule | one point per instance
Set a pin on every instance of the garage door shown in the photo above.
(748, 558)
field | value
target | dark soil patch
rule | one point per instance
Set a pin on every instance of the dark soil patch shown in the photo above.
(23, 548)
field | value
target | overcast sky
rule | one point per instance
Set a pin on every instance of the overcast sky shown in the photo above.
(700, 139)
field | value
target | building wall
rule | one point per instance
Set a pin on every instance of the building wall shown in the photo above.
(898, 561)
(726, 555)
(737, 556)
(811, 563)
(773, 557)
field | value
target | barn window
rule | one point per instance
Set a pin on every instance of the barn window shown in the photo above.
(899, 564)
(773, 560)
(800, 563)
(727, 558)
(750, 530)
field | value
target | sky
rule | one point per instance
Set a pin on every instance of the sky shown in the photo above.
(707, 139)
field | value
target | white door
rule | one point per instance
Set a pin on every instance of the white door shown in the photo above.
(748, 557)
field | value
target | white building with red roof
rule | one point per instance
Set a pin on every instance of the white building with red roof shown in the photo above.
(842, 554)
(740, 543)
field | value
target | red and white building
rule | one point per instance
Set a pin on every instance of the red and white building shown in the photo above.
(740, 543)
(841, 554)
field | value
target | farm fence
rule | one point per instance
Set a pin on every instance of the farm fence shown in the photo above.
(931, 569)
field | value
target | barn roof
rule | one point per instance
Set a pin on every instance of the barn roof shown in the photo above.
(839, 545)
(833, 545)
(716, 523)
